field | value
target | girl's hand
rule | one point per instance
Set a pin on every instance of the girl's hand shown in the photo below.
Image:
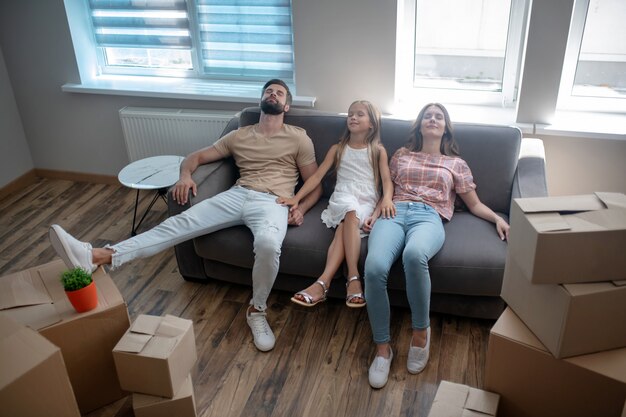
(503, 228)
(368, 224)
(387, 208)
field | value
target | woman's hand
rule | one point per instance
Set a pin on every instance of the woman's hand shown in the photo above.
(180, 192)
(502, 227)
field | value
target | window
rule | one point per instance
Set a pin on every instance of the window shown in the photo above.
(595, 59)
(229, 40)
(460, 51)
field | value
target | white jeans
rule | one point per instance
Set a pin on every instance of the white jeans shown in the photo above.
(258, 211)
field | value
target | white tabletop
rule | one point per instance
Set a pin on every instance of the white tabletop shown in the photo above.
(151, 173)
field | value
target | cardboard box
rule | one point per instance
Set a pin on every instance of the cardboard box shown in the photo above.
(561, 240)
(156, 355)
(457, 400)
(182, 405)
(568, 319)
(33, 381)
(533, 383)
(35, 297)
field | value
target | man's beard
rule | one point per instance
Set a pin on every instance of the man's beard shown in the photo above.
(272, 108)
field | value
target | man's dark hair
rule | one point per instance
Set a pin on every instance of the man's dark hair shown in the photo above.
(279, 82)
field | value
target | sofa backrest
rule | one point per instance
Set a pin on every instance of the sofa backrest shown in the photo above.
(491, 151)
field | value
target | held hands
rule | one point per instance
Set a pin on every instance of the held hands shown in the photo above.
(180, 192)
(296, 218)
(385, 208)
(503, 228)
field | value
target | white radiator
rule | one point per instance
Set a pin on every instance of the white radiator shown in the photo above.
(154, 131)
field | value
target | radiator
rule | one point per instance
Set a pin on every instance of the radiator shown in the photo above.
(154, 131)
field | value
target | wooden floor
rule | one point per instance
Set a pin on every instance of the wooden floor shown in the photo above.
(319, 365)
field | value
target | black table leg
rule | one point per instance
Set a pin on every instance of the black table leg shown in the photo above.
(161, 192)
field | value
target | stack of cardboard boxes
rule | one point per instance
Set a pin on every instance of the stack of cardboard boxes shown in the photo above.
(560, 347)
(35, 298)
(154, 359)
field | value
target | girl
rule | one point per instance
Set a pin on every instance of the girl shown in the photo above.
(427, 174)
(361, 164)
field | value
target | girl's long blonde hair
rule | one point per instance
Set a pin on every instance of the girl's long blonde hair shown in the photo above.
(372, 139)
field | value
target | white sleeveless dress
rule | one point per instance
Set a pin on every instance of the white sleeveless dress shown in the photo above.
(355, 189)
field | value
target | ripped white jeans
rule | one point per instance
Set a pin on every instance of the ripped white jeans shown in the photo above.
(237, 206)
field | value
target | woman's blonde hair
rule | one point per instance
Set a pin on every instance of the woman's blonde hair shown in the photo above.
(372, 139)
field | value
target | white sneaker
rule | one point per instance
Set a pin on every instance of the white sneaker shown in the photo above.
(418, 356)
(379, 370)
(73, 252)
(264, 339)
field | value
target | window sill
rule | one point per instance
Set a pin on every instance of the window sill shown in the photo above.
(177, 88)
(593, 125)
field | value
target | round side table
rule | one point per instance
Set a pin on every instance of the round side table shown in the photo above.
(153, 173)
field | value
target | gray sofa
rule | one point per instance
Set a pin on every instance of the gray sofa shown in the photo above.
(466, 274)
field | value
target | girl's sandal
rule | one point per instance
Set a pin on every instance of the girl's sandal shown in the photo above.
(350, 297)
(308, 298)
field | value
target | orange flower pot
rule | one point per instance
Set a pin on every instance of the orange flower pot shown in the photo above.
(84, 299)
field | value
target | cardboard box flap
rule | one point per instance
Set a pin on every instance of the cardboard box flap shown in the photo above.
(612, 200)
(609, 219)
(36, 317)
(620, 283)
(132, 342)
(159, 347)
(575, 203)
(550, 222)
(146, 324)
(172, 326)
(579, 290)
(153, 336)
(482, 401)
(451, 393)
(443, 409)
(22, 289)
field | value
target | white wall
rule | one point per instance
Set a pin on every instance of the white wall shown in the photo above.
(345, 50)
(15, 157)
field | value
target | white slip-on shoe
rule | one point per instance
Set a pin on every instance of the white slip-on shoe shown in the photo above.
(379, 370)
(418, 356)
(73, 252)
(262, 334)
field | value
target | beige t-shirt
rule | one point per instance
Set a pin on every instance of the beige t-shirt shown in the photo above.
(268, 164)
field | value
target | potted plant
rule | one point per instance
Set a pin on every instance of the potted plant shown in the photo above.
(80, 289)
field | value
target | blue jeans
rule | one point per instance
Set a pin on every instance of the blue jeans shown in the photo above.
(417, 233)
(237, 206)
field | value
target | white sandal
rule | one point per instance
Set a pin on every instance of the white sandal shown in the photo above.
(351, 297)
(308, 298)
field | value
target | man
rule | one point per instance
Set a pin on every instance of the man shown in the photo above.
(270, 155)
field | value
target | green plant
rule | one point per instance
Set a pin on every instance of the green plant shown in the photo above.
(75, 279)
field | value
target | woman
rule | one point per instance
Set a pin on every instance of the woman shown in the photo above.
(427, 175)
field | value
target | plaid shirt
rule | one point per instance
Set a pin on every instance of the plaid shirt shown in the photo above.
(431, 179)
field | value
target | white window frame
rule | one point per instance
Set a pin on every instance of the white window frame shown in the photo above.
(406, 93)
(567, 101)
(93, 80)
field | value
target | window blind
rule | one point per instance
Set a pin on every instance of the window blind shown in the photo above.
(246, 39)
(159, 24)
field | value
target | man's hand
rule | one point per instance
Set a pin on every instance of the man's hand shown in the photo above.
(291, 202)
(296, 218)
(180, 192)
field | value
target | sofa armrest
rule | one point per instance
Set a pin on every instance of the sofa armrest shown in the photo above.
(210, 179)
(530, 176)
